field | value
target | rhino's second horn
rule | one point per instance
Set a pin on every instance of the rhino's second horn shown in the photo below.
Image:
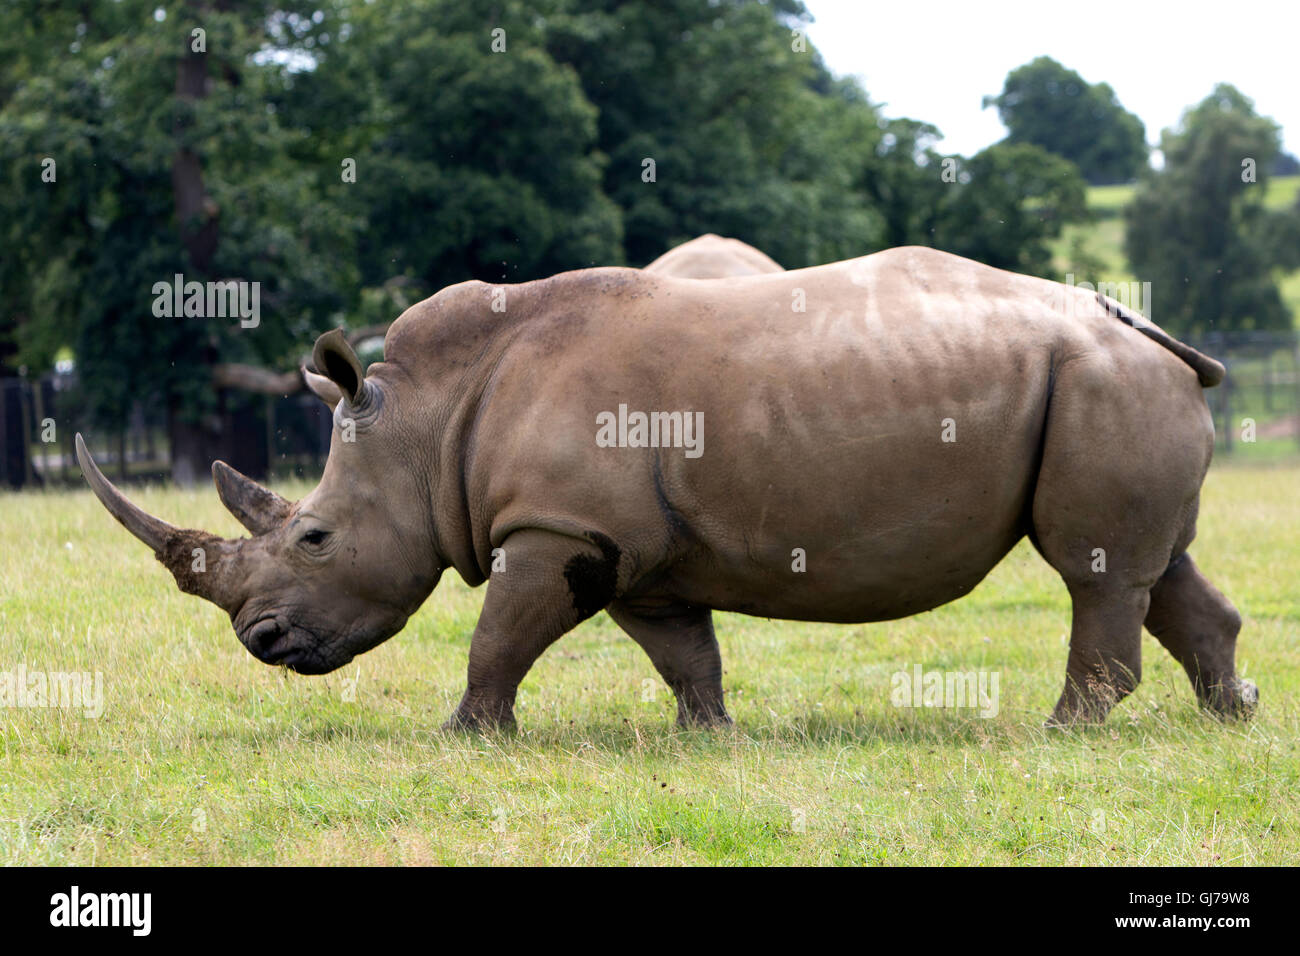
(258, 509)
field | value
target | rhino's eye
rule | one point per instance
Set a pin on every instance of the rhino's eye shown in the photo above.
(314, 538)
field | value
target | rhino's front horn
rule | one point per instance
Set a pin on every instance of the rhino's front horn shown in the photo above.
(258, 509)
(152, 531)
(200, 562)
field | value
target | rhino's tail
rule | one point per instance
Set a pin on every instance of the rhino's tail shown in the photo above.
(1208, 371)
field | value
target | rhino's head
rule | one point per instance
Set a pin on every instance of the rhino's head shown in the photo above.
(326, 578)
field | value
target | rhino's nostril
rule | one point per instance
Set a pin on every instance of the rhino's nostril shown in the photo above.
(262, 637)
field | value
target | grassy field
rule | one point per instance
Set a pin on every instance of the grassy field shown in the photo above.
(202, 755)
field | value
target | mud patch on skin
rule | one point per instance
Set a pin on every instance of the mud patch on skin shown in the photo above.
(593, 581)
(177, 556)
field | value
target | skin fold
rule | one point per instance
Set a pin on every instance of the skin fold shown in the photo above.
(901, 420)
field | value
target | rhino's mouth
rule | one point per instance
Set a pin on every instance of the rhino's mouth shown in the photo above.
(305, 662)
(274, 642)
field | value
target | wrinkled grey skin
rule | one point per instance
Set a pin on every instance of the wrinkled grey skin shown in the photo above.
(712, 257)
(824, 431)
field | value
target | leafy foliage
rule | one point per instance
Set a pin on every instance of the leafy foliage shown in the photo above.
(353, 157)
(86, 249)
(1199, 231)
(1046, 104)
(1011, 200)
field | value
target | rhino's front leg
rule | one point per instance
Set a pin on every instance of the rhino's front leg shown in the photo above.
(681, 644)
(550, 583)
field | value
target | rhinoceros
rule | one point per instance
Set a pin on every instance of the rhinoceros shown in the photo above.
(660, 448)
(712, 257)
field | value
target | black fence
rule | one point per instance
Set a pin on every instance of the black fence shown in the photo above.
(266, 436)
(1256, 414)
(1257, 409)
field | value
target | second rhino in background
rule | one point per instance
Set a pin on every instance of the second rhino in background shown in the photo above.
(713, 257)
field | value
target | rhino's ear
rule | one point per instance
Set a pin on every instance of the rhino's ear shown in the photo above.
(322, 388)
(336, 361)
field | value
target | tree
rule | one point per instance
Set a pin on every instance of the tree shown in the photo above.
(1001, 206)
(1199, 231)
(1286, 165)
(903, 176)
(475, 152)
(162, 159)
(1051, 106)
(748, 133)
(352, 157)
(1008, 201)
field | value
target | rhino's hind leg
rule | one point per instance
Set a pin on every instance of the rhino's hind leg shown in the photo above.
(1199, 626)
(1124, 453)
(1105, 662)
(682, 646)
(550, 584)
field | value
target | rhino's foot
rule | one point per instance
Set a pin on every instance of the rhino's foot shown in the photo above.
(1088, 701)
(1235, 699)
(476, 724)
(1066, 716)
(702, 718)
(1199, 627)
(476, 715)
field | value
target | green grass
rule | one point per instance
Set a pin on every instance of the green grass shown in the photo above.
(205, 756)
(1109, 200)
(1282, 192)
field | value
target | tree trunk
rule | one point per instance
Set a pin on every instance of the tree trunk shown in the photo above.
(196, 212)
(193, 444)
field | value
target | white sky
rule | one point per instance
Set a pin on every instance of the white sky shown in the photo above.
(934, 60)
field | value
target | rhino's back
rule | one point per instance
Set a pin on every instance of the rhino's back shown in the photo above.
(886, 415)
(834, 420)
